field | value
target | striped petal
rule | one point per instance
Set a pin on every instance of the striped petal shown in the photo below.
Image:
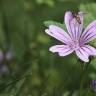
(58, 33)
(74, 25)
(89, 33)
(82, 54)
(62, 50)
(90, 50)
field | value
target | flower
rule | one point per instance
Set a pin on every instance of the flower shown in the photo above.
(94, 84)
(6, 55)
(74, 39)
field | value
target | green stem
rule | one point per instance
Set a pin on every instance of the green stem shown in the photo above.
(83, 73)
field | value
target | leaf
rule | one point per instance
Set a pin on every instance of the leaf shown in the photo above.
(50, 3)
(47, 23)
(17, 88)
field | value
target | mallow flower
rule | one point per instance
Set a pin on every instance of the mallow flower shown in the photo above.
(76, 39)
(94, 84)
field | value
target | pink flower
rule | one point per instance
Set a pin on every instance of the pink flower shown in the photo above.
(74, 39)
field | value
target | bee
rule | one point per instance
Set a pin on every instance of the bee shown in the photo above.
(75, 15)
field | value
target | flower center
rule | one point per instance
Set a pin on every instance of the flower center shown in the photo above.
(75, 45)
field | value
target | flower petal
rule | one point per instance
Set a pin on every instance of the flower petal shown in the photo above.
(74, 24)
(89, 33)
(58, 33)
(90, 50)
(62, 50)
(82, 54)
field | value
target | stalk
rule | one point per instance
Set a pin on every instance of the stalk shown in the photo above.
(83, 74)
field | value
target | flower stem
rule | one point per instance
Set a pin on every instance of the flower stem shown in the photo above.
(83, 73)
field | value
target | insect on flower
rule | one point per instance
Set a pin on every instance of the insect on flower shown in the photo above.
(74, 39)
(76, 17)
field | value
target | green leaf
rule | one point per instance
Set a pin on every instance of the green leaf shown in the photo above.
(47, 23)
(17, 88)
(47, 2)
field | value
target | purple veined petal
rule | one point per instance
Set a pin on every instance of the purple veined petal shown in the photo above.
(89, 33)
(58, 33)
(74, 25)
(81, 16)
(68, 18)
(90, 50)
(62, 50)
(82, 54)
(88, 28)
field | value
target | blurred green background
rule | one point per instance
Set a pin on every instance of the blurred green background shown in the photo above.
(33, 70)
